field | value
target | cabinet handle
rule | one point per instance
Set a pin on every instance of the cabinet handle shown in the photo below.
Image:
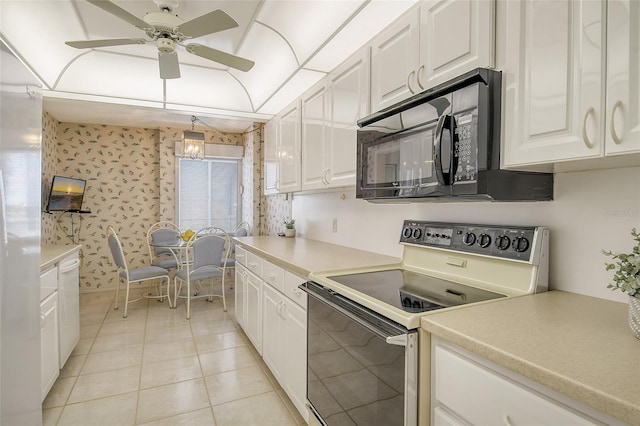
(585, 137)
(253, 264)
(324, 176)
(43, 317)
(296, 291)
(614, 135)
(506, 420)
(276, 184)
(409, 82)
(271, 276)
(418, 77)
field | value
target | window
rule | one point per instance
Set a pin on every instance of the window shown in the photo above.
(209, 193)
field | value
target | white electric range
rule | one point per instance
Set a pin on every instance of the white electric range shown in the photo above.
(362, 323)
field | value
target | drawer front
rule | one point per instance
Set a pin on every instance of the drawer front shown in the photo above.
(291, 290)
(241, 255)
(48, 282)
(482, 396)
(254, 263)
(273, 275)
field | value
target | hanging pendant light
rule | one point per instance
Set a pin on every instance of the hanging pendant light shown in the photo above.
(193, 143)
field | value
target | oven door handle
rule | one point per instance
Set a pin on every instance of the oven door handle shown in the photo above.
(399, 340)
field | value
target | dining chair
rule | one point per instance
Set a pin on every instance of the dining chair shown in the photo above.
(206, 252)
(160, 232)
(134, 275)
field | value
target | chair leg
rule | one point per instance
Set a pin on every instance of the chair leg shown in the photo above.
(175, 292)
(126, 301)
(168, 293)
(224, 301)
(117, 291)
(188, 299)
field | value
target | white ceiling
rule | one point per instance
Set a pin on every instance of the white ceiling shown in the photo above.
(294, 43)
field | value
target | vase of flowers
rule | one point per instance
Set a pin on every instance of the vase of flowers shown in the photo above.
(289, 228)
(626, 277)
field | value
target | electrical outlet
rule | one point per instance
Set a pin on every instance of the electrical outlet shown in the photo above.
(334, 225)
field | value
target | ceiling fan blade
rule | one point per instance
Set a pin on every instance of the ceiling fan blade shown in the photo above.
(210, 23)
(224, 58)
(169, 66)
(116, 10)
(88, 44)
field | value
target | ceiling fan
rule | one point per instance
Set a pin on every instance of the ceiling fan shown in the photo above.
(167, 31)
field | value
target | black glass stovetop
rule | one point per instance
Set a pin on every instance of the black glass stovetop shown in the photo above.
(413, 292)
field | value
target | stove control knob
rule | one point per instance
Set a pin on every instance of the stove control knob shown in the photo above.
(520, 244)
(503, 242)
(417, 233)
(484, 240)
(469, 239)
(406, 232)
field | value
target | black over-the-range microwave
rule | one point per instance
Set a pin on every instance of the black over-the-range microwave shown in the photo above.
(443, 145)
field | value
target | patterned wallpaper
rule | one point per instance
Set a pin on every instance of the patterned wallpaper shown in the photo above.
(253, 199)
(130, 175)
(278, 209)
(121, 166)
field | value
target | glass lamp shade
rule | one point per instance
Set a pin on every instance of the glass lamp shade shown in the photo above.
(193, 145)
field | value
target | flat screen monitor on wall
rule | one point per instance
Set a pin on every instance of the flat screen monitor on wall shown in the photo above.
(66, 194)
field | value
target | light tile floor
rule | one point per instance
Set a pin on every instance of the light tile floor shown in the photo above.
(158, 368)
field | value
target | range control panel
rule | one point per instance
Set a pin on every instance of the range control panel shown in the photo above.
(510, 242)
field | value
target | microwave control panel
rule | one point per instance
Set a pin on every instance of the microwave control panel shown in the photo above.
(465, 148)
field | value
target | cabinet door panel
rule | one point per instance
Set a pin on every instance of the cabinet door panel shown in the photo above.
(240, 298)
(553, 98)
(313, 138)
(289, 150)
(273, 333)
(254, 311)
(348, 102)
(49, 368)
(623, 77)
(270, 156)
(394, 61)
(456, 36)
(296, 356)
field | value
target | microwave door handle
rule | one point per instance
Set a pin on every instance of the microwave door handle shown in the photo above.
(437, 155)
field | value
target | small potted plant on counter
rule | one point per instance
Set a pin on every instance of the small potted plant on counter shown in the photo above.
(627, 279)
(289, 228)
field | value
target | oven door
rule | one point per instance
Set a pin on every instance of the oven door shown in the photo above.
(362, 367)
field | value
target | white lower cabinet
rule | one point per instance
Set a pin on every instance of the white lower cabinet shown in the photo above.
(468, 389)
(49, 356)
(253, 326)
(240, 294)
(272, 311)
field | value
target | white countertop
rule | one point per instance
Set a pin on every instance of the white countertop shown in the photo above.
(303, 256)
(577, 345)
(50, 254)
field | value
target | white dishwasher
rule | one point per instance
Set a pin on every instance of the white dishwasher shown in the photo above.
(69, 302)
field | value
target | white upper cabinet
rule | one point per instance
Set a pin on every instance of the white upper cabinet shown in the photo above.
(348, 102)
(289, 149)
(314, 136)
(394, 62)
(270, 156)
(456, 36)
(330, 111)
(553, 76)
(439, 41)
(623, 77)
